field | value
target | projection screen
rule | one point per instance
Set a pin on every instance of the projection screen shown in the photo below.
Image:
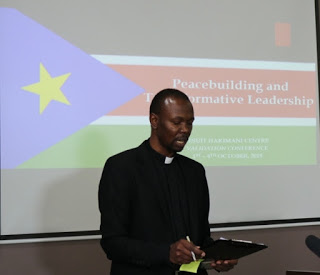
(76, 85)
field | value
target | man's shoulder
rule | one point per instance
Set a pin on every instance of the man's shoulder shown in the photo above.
(190, 162)
(125, 153)
(128, 154)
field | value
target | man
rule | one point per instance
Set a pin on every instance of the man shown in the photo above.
(152, 198)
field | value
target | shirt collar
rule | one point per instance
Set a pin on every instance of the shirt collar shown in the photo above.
(158, 156)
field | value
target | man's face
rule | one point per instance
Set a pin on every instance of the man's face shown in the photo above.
(173, 126)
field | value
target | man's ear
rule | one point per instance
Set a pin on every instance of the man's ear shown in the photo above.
(153, 118)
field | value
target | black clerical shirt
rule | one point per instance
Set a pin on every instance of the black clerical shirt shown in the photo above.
(173, 186)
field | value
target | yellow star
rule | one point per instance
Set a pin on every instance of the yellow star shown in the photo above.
(48, 88)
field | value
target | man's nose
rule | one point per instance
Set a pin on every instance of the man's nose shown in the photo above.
(185, 128)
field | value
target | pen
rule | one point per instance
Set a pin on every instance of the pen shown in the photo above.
(192, 253)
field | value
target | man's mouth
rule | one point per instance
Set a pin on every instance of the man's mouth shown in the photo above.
(182, 141)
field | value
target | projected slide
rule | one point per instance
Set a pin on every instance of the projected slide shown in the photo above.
(76, 89)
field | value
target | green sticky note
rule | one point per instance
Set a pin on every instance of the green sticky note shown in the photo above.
(191, 267)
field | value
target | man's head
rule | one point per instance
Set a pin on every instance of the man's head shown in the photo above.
(171, 117)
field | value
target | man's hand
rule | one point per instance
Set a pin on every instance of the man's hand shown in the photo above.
(224, 265)
(180, 252)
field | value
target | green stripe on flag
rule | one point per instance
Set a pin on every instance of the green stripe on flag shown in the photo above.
(210, 145)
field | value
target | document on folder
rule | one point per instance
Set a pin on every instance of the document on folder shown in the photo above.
(228, 249)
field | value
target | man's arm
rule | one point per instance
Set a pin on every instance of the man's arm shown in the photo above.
(115, 204)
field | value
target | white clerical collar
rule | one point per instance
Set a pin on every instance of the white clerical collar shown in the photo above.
(168, 160)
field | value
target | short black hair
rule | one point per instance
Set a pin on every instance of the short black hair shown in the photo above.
(160, 97)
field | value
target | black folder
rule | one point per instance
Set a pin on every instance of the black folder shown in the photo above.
(228, 249)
